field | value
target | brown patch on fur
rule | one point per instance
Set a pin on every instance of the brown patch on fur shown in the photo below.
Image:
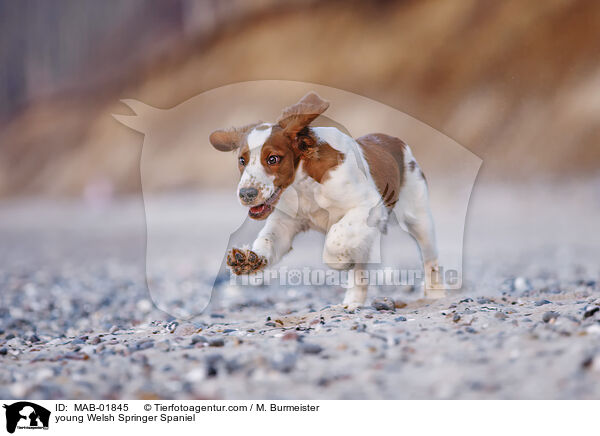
(291, 141)
(319, 157)
(278, 144)
(385, 156)
(324, 160)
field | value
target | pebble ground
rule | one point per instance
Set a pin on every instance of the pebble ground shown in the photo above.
(77, 321)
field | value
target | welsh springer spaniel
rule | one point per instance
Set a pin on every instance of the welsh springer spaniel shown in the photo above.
(345, 188)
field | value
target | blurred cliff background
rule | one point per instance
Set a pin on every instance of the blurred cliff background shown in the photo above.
(517, 83)
(83, 255)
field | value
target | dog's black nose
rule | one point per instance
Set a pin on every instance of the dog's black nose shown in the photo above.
(248, 194)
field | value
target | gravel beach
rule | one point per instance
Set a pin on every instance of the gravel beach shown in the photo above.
(77, 320)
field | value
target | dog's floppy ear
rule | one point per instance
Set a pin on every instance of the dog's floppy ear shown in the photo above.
(230, 139)
(297, 117)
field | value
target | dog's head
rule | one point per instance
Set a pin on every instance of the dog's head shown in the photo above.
(269, 154)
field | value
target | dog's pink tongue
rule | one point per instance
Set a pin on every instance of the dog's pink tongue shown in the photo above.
(258, 209)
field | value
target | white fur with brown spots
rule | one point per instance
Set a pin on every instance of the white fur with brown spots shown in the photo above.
(320, 178)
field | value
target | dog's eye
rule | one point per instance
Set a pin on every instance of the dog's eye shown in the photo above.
(272, 160)
(242, 161)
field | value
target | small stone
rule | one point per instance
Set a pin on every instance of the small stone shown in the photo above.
(591, 362)
(187, 329)
(384, 303)
(290, 336)
(399, 304)
(233, 365)
(172, 326)
(590, 311)
(483, 300)
(456, 317)
(95, 340)
(113, 329)
(72, 355)
(3, 351)
(196, 375)
(284, 362)
(144, 305)
(550, 317)
(400, 319)
(33, 338)
(213, 363)
(593, 329)
(359, 327)
(587, 362)
(197, 339)
(521, 284)
(89, 350)
(500, 315)
(216, 342)
(542, 302)
(270, 324)
(39, 357)
(144, 344)
(309, 348)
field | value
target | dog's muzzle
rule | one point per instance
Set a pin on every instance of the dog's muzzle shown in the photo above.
(248, 195)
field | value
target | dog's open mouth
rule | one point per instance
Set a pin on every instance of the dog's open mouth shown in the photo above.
(263, 210)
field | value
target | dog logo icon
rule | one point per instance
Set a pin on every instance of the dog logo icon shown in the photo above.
(26, 415)
(198, 240)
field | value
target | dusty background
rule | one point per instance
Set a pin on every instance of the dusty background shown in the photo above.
(517, 83)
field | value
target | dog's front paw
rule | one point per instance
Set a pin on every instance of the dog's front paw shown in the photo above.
(245, 261)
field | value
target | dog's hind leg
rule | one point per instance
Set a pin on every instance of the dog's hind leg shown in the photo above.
(421, 228)
(414, 212)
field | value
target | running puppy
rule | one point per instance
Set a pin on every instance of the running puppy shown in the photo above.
(345, 188)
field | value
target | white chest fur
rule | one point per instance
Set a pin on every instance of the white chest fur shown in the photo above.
(348, 186)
